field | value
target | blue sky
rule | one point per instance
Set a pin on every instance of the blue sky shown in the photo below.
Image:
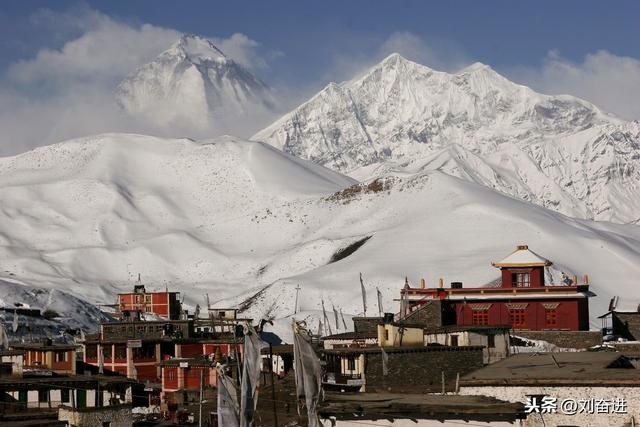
(585, 48)
(310, 34)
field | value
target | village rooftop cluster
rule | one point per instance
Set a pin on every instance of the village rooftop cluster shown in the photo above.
(517, 352)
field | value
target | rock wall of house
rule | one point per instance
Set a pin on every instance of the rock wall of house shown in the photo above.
(366, 324)
(565, 339)
(626, 347)
(428, 315)
(583, 419)
(627, 325)
(119, 416)
(420, 369)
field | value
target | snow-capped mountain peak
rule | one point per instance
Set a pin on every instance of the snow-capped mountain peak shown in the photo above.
(400, 116)
(196, 50)
(476, 66)
(194, 86)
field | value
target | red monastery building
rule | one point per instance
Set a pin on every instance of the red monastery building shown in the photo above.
(521, 298)
(164, 304)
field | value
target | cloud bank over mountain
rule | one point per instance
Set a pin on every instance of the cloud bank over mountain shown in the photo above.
(68, 90)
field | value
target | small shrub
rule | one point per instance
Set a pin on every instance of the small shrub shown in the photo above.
(50, 314)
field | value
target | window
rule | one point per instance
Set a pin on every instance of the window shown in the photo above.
(491, 341)
(517, 317)
(147, 298)
(147, 351)
(120, 351)
(521, 279)
(147, 309)
(60, 356)
(480, 317)
(351, 364)
(551, 317)
(91, 351)
(64, 395)
(43, 396)
(386, 334)
(454, 340)
(106, 351)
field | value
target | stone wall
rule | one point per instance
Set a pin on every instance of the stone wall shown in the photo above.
(626, 347)
(428, 315)
(565, 339)
(118, 416)
(366, 324)
(420, 368)
(561, 393)
(627, 325)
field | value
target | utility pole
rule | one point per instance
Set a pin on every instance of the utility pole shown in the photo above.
(295, 308)
(200, 400)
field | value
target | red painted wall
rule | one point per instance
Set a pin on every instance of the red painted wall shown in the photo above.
(536, 280)
(569, 315)
(147, 373)
(190, 350)
(170, 377)
(159, 304)
(62, 366)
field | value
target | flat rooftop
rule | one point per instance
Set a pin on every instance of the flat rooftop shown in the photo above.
(567, 368)
(388, 406)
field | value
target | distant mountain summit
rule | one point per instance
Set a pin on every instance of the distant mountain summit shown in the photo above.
(193, 84)
(400, 109)
(401, 117)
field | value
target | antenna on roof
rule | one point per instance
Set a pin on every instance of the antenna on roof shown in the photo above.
(138, 277)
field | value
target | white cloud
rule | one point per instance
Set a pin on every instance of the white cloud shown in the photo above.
(245, 51)
(69, 92)
(609, 81)
(112, 49)
(442, 56)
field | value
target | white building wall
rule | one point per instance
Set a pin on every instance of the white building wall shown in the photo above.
(466, 338)
(520, 393)
(17, 363)
(332, 343)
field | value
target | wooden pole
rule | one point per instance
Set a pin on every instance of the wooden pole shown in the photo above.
(443, 390)
(200, 399)
(457, 382)
(273, 387)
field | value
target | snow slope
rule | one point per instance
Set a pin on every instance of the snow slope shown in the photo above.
(401, 117)
(72, 312)
(246, 223)
(194, 84)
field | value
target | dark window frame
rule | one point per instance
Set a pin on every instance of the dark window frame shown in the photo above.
(518, 317)
(480, 317)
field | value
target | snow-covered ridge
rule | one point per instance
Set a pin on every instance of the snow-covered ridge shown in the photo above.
(402, 117)
(247, 223)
